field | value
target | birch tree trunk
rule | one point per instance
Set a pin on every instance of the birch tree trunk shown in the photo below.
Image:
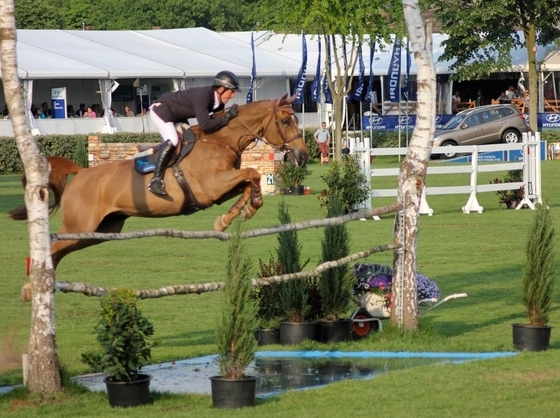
(44, 373)
(412, 175)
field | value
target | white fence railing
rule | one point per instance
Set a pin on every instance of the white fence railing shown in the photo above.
(530, 164)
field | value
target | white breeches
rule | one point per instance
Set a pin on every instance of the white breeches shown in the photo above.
(167, 130)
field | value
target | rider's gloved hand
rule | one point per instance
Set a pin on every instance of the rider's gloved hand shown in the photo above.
(232, 112)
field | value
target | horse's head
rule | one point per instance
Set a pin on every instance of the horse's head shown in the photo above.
(283, 132)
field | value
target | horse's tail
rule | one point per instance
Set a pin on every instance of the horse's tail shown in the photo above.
(61, 168)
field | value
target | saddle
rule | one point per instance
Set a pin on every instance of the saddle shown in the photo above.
(145, 158)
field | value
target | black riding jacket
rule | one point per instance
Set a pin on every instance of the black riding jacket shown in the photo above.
(196, 102)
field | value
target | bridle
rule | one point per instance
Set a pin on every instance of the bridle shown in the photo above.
(258, 137)
(273, 115)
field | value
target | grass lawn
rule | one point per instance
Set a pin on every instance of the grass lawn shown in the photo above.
(480, 254)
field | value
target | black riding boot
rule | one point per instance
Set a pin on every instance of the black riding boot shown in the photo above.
(156, 185)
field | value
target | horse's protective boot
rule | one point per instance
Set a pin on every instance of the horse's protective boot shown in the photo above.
(157, 186)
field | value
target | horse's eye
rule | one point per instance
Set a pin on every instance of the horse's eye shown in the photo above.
(285, 121)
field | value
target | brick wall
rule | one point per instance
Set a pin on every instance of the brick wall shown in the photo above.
(262, 157)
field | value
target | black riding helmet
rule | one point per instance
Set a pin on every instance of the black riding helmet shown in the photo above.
(227, 79)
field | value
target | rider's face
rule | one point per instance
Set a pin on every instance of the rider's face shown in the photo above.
(226, 95)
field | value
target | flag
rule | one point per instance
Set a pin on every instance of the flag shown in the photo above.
(316, 85)
(299, 90)
(359, 90)
(404, 90)
(326, 89)
(394, 73)
(369, 91)
(253, 72)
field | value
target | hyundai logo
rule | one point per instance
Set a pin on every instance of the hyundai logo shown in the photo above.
(405, 120)
(438, 119)
(553, 118)
(376, 120)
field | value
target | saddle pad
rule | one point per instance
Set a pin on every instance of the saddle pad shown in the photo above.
(144, 162)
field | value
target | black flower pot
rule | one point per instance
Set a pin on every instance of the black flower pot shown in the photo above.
(531, 337)
(297, 190)
(335, 331)
(296, 332)
(125, 394)
(233, 393)
(268, 336)
(287, 191)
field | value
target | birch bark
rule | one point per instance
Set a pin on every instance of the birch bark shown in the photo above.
(44, 373)
(412, 176)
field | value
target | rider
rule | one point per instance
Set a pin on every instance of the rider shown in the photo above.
(196, 102)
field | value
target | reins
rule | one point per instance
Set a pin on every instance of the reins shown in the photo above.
(263, 127)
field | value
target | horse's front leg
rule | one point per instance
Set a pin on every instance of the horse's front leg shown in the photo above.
(251, 194)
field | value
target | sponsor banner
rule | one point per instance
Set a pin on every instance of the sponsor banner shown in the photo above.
(549, 120)
(58, 102)
(393, 122)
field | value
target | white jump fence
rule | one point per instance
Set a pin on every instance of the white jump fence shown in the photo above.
(185, 289)
(530, 149)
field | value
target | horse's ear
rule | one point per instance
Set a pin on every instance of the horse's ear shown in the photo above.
(291, 99)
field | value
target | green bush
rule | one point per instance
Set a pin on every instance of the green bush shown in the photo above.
(123, 334)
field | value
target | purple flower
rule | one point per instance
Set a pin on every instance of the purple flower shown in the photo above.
(378, 279)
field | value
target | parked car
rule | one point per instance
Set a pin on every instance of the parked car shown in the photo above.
(481, 125)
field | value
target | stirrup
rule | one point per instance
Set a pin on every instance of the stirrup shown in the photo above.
(157, 186)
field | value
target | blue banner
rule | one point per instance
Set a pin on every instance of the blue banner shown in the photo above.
(404, 90)
(316, 85)
(359, 90)
(299, 90)
(369, 91)
(326, 89)
(394, 73)
(253, 72)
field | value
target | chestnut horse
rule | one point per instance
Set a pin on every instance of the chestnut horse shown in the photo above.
(101, 198)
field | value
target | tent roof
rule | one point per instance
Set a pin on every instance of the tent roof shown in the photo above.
(186, 53)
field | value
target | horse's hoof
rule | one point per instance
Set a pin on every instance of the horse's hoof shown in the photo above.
(219, 224)
(26, 293)
(247, 213)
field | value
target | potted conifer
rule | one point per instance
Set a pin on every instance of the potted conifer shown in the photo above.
(124, 335)
(538, 284)
(237, 324)
(335, 284)
(294, 294)
(268, 300)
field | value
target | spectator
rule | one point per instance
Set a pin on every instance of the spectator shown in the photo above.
(480, 100)
(33, 110)
(5, 112)
(46, 111)
(322, 137)
(69, 111)
(90, 113)
(144, 113)
(128, 112)
(80, 112)
(456, 98)
(526, 100)
(40, 114)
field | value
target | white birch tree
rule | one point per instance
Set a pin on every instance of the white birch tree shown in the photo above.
(44, 372)
(412, 175)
